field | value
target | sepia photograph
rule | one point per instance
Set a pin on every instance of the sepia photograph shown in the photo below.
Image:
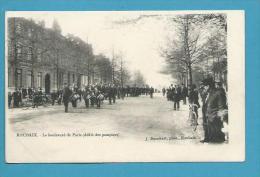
(124, 86)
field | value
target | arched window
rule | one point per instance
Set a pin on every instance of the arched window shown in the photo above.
(39, 79)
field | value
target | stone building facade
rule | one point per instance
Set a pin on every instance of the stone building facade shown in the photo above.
(40, 57)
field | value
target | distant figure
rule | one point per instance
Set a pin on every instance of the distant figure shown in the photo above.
(110, 93)
(30, 92)
(86, 96)
(9, 99)
(66, 96)
(36, 99)
(163, 91)
(151, 92)
(177, 97)
(16, 96)
(53, 97)
(24, 92)
(204, 94)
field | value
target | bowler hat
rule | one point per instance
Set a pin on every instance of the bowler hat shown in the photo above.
(208, 81)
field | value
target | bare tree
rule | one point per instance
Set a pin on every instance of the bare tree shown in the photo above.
(188, 46)
(138, 79)
(104, 68)
(123, 74)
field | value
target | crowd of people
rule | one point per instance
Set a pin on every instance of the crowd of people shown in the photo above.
(176, 94)
(17, 97)
(214, 107)
(210, 96)
(92, 95)
(96, 94)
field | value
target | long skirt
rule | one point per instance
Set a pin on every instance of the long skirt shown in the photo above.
(214, 130)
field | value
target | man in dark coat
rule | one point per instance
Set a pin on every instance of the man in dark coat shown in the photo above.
(9, 99)
(86, 96)
(203, 95)
(215, 103)
(163, 91)
(66, 96)
(36, 99)
(16, 98)
(110, 93)
(53, 97)
(177, 97)
(24, 92)
(170, 93)
(151, 92)
(30, 92)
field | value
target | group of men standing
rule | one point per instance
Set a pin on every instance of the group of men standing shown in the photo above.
(176, 94)
(71, 93)
(95, 94)
(15, 99)
(214, 105)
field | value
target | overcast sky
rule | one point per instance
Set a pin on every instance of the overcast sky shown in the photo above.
(138, 41)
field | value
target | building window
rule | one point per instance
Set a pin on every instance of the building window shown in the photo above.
(68, 78)
(11, 50)
(29, 32)
(29, 79)
(73, 78)
(29, 54)
(19, 78)
(19, 50)
(18, 28)
(39, 55)
(39, 80)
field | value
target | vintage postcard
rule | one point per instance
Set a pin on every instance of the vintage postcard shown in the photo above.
(124, 86)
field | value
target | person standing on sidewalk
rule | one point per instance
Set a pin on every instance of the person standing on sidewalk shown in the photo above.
(203, 95)
(66, 96)
(177, 97)
(215, 104)
(163, 91)
(53, 97)
(151, 92)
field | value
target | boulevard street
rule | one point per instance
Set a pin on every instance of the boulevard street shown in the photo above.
(140, 118)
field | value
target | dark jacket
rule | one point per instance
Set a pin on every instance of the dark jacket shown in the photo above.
(184, 92)
(66, 94)
(215, 103)
(177, 94)
(194, 97)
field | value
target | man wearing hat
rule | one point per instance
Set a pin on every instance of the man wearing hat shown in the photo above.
(214, 103)
(66, 96)
(203, 94)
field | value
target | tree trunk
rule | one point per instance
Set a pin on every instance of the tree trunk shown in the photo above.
(190, 74)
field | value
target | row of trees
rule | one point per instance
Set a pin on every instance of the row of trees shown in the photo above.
(197, 48)
(115, 71)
